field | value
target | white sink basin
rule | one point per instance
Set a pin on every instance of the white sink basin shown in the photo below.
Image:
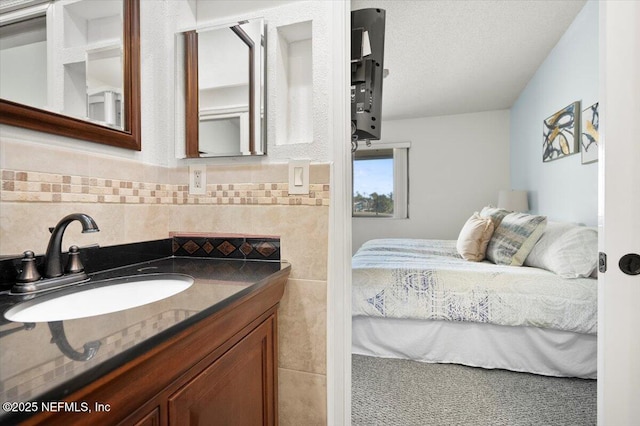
(99, 298)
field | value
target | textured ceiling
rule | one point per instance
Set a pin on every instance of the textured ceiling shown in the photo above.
(453, 57)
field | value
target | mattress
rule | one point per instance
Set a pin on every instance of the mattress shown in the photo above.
(428, 280)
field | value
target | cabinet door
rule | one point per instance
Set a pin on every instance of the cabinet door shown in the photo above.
(237, 389)
(151, 419)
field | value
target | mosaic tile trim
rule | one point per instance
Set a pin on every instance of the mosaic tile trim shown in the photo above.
(29, 384)
(36, 187)
(259, 248)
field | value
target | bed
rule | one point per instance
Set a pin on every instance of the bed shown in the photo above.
(422, 300)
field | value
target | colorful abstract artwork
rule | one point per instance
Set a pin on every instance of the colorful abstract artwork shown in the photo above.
(561, 132)
(589, 134)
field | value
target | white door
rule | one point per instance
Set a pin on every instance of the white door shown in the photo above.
(619, 213)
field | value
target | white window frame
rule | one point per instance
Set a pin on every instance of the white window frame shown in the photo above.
(400, 177)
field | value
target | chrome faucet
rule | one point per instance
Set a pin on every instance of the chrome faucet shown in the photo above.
(53, 257)
(29, 280)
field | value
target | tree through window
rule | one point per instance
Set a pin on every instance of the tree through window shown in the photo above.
(381, 180)
(373, 183)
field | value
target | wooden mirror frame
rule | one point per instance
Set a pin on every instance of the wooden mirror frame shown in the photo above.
(192, 97)
(16, 114)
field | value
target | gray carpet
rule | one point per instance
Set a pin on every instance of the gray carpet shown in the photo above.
(393, 392)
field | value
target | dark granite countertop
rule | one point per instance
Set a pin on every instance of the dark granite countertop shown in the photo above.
(33, 368)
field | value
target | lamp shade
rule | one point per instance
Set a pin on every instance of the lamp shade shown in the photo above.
(514, 201)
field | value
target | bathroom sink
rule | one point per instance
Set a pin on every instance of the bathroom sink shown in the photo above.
(100, 297)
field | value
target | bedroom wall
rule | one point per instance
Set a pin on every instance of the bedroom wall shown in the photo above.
(563, 189)
(457, 165)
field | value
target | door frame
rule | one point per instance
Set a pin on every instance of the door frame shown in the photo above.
(339, 256)
(339, 269)
(618, 209)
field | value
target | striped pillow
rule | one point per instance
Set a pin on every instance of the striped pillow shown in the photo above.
(514, 238)
(496, 215)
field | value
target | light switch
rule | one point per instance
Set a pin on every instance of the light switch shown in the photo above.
(298, 177)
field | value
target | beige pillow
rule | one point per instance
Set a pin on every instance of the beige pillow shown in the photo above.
(474, 237)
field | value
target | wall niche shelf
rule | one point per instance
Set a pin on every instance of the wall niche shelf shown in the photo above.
(294, 74)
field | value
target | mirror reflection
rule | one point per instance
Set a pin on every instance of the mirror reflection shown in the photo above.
(104, 86)
(224, 90)
(23, 54)
(71, 67)
(65, 56)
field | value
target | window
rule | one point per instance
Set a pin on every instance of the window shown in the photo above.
(380, 181)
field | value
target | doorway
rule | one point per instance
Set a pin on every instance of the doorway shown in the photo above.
(632, 62)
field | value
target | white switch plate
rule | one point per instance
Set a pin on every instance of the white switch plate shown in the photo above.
(298, 177)
(198, 179)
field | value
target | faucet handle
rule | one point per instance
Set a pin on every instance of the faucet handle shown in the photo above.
(29, 271)
(74, 264)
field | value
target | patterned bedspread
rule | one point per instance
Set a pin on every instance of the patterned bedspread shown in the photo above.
(427, 279)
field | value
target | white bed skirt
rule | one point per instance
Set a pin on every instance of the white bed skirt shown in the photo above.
(526, 349)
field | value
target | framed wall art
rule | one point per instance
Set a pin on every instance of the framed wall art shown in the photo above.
(561, 133)
(589, 134)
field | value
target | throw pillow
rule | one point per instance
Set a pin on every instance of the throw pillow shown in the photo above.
(495, 214)
(514, 239)
(570, 251)
(474, 238)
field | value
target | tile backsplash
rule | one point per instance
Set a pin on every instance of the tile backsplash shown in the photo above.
(27, 186)
(226, 246)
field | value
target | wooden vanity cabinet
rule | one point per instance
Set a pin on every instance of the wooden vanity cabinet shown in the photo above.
(151, 419)
(221, 371)
(237, 389)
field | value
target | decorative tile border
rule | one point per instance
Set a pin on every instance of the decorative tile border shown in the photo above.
(35, 187)
(227, 246)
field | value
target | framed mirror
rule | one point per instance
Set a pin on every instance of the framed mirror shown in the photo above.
(224, 90)
(72, 68)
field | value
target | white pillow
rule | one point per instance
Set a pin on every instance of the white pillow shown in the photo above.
(552, 232)
(568, 250)
(474, 237)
